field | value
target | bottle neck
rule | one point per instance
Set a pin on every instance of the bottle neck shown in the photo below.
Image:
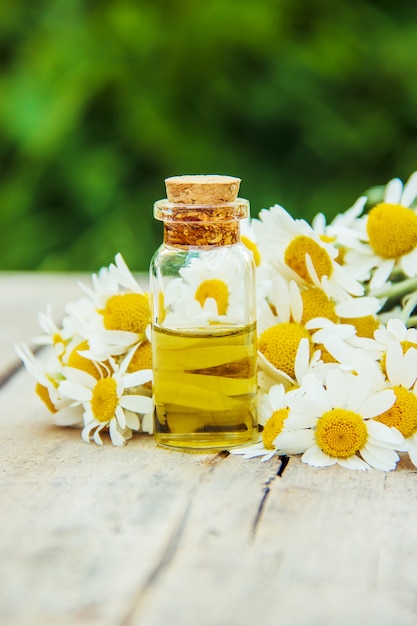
(201, 234)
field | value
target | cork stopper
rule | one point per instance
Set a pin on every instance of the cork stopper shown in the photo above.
(203, 190)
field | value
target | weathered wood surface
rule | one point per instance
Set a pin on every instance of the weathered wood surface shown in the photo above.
(147, 536)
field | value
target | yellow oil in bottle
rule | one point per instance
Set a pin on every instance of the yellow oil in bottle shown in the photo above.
(205, 387)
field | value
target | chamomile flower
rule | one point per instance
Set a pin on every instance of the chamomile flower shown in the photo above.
(273, 411)
(390, 238)
(115, 315)
(249, 239)
(400, 365)
(208, 291)
(109, 402)
(396, 332)
(60, 338)
(295, 250)
(286, 355)
(111, 280)
(331, 423)
(344, 230)
(298, 312)
(342, 343)
(291, 302)
(48, 377)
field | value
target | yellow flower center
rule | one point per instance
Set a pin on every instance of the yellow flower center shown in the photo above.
(251, 245)
(43, 394)
(87, 365)
(216, 289)
(142, 360)
(295, 256)
(365, 326)
(403, 413)
(279, 345)
(392, 230)
(317, 304)
(104, 400)
(340, 433)
(128, 311)
(273, 427)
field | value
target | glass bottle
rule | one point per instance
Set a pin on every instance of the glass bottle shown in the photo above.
(203, 317)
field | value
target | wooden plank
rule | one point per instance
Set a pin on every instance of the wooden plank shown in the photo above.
(85, 532)
(329, 547)
(144, 535)
(81, 527)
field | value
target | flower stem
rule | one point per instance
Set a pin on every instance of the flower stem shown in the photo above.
(409, 304)
(397, 289)
(412, 321)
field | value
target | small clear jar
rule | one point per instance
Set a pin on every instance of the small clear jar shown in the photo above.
(202, 283)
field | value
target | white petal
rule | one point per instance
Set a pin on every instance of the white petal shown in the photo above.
(397, 328)
(378, 403)
(302, 359)
(409, 368)
(137, 378)
(383, 434)
(395, 363)
(147, 423)
(137, 404)
(132, 420)
(85, 434)
(393, 191)
(318, 223)
(358, 307)
(311, 269)
(409, 193)
(281, 298)
(250, 452)
(382, 274)
(78, 376)
(380, 453)
(276, 374)
(316, 457)
(120, 415)
(385, 463)
(354, 462)
(412, 452)
(75, 391)
(296, 302)
(337, 387)
(97, 436)
(315, 390)
(344, 279)
(125, 276)
(69, 416)
(295, 442)
(277, 397)
(115, 435)
(408, 263)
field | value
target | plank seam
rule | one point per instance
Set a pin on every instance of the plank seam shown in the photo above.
(9, 373)
(284, 460)
(164, 561)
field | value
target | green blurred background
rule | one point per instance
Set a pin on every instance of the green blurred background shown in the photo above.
(310, 102)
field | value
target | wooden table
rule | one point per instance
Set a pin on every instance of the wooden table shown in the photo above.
(143, 535)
